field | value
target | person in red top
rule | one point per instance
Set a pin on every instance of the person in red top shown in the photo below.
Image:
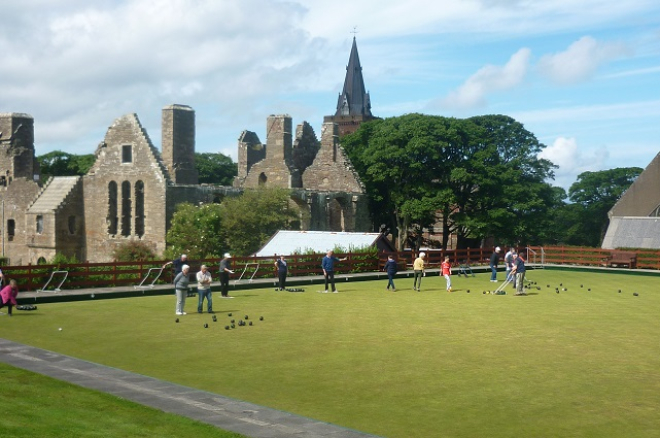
(8, 295)
(446, 272)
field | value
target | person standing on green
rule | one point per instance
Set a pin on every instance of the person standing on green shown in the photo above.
(225, 270)
(418, 271)
(328, 266)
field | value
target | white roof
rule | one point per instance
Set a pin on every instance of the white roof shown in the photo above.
(290, 242)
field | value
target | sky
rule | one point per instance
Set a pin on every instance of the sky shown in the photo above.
(581, 75)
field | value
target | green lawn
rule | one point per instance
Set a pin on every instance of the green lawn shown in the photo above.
(38, 406)
(575, 364)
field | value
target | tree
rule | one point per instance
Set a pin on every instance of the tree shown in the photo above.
(481, 174)
(196, 231)
(215, 168)
(252, 218)
(58, 163)
(593, 196)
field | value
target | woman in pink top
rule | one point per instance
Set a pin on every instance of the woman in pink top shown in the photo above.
(8, 295)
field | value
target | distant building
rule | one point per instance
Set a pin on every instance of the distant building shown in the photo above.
(635, 218)
(354, 103)
(132, 190)
(300, 242)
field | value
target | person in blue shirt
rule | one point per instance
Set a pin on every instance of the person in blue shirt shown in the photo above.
(282, 270)
(177, 264)
(391, 268)
(328, 266)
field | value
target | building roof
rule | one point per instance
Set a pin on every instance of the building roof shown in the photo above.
(632, 232)
(290, 242)
(354, 99)
(54, 194)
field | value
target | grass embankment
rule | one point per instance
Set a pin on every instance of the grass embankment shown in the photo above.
(575, 364)
(38, 406)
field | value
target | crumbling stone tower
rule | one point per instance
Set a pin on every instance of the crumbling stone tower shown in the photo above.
(178, 137)
(17, 158)
(19, 175)
(276, 168)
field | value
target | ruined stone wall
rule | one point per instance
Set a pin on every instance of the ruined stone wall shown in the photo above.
(107, 225)
(332, 211)
(305, 148)
(70, 225)
(250, 151)
(178, 143)
(331, 169)
(14, 201)
(276, 169)
(17, 158)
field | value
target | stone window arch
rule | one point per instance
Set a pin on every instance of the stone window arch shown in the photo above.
(111, 219)
(139, 208)
(263, 179)
(40, 224)
(72, 224)
(127, 154)
(11, 229)
(336, 218)
(126, 216)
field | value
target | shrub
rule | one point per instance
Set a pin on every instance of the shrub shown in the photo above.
(133, 251)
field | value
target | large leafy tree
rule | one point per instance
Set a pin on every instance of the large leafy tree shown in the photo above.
(196, 231)
(593, 194)
(58, 163)
(251, 219)
(481, 174)
(215, 168)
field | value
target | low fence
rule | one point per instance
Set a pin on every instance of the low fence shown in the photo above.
(112, 274)
(586, 256)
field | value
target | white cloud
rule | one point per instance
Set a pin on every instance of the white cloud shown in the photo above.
(489, 79)
(565, 153)
(580, 61)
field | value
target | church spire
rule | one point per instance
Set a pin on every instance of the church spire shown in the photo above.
(354, 100)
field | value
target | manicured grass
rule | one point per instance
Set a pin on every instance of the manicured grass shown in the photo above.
(38, 406)
(575, 364)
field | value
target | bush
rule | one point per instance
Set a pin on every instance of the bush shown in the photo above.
(133, 251)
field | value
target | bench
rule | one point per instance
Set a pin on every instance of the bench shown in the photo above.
(627, 258)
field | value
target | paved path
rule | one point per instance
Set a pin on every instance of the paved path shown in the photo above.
(226, 413)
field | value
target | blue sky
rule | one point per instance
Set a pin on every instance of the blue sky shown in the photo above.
(582, 75)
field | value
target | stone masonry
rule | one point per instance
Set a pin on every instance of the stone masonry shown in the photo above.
(131, 192)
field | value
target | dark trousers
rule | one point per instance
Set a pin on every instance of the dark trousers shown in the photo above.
(282, 278)
(330, 277)
(390, 280)
(8, 304)
(224, 283)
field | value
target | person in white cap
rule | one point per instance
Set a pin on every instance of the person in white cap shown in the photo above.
(418, 269)
(494, 261)
(225, 270)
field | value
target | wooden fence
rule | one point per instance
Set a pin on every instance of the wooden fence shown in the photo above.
(91, 275)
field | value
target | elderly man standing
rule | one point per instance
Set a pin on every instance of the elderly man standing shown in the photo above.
(204, 289)
(181, 289)
(519, 271)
